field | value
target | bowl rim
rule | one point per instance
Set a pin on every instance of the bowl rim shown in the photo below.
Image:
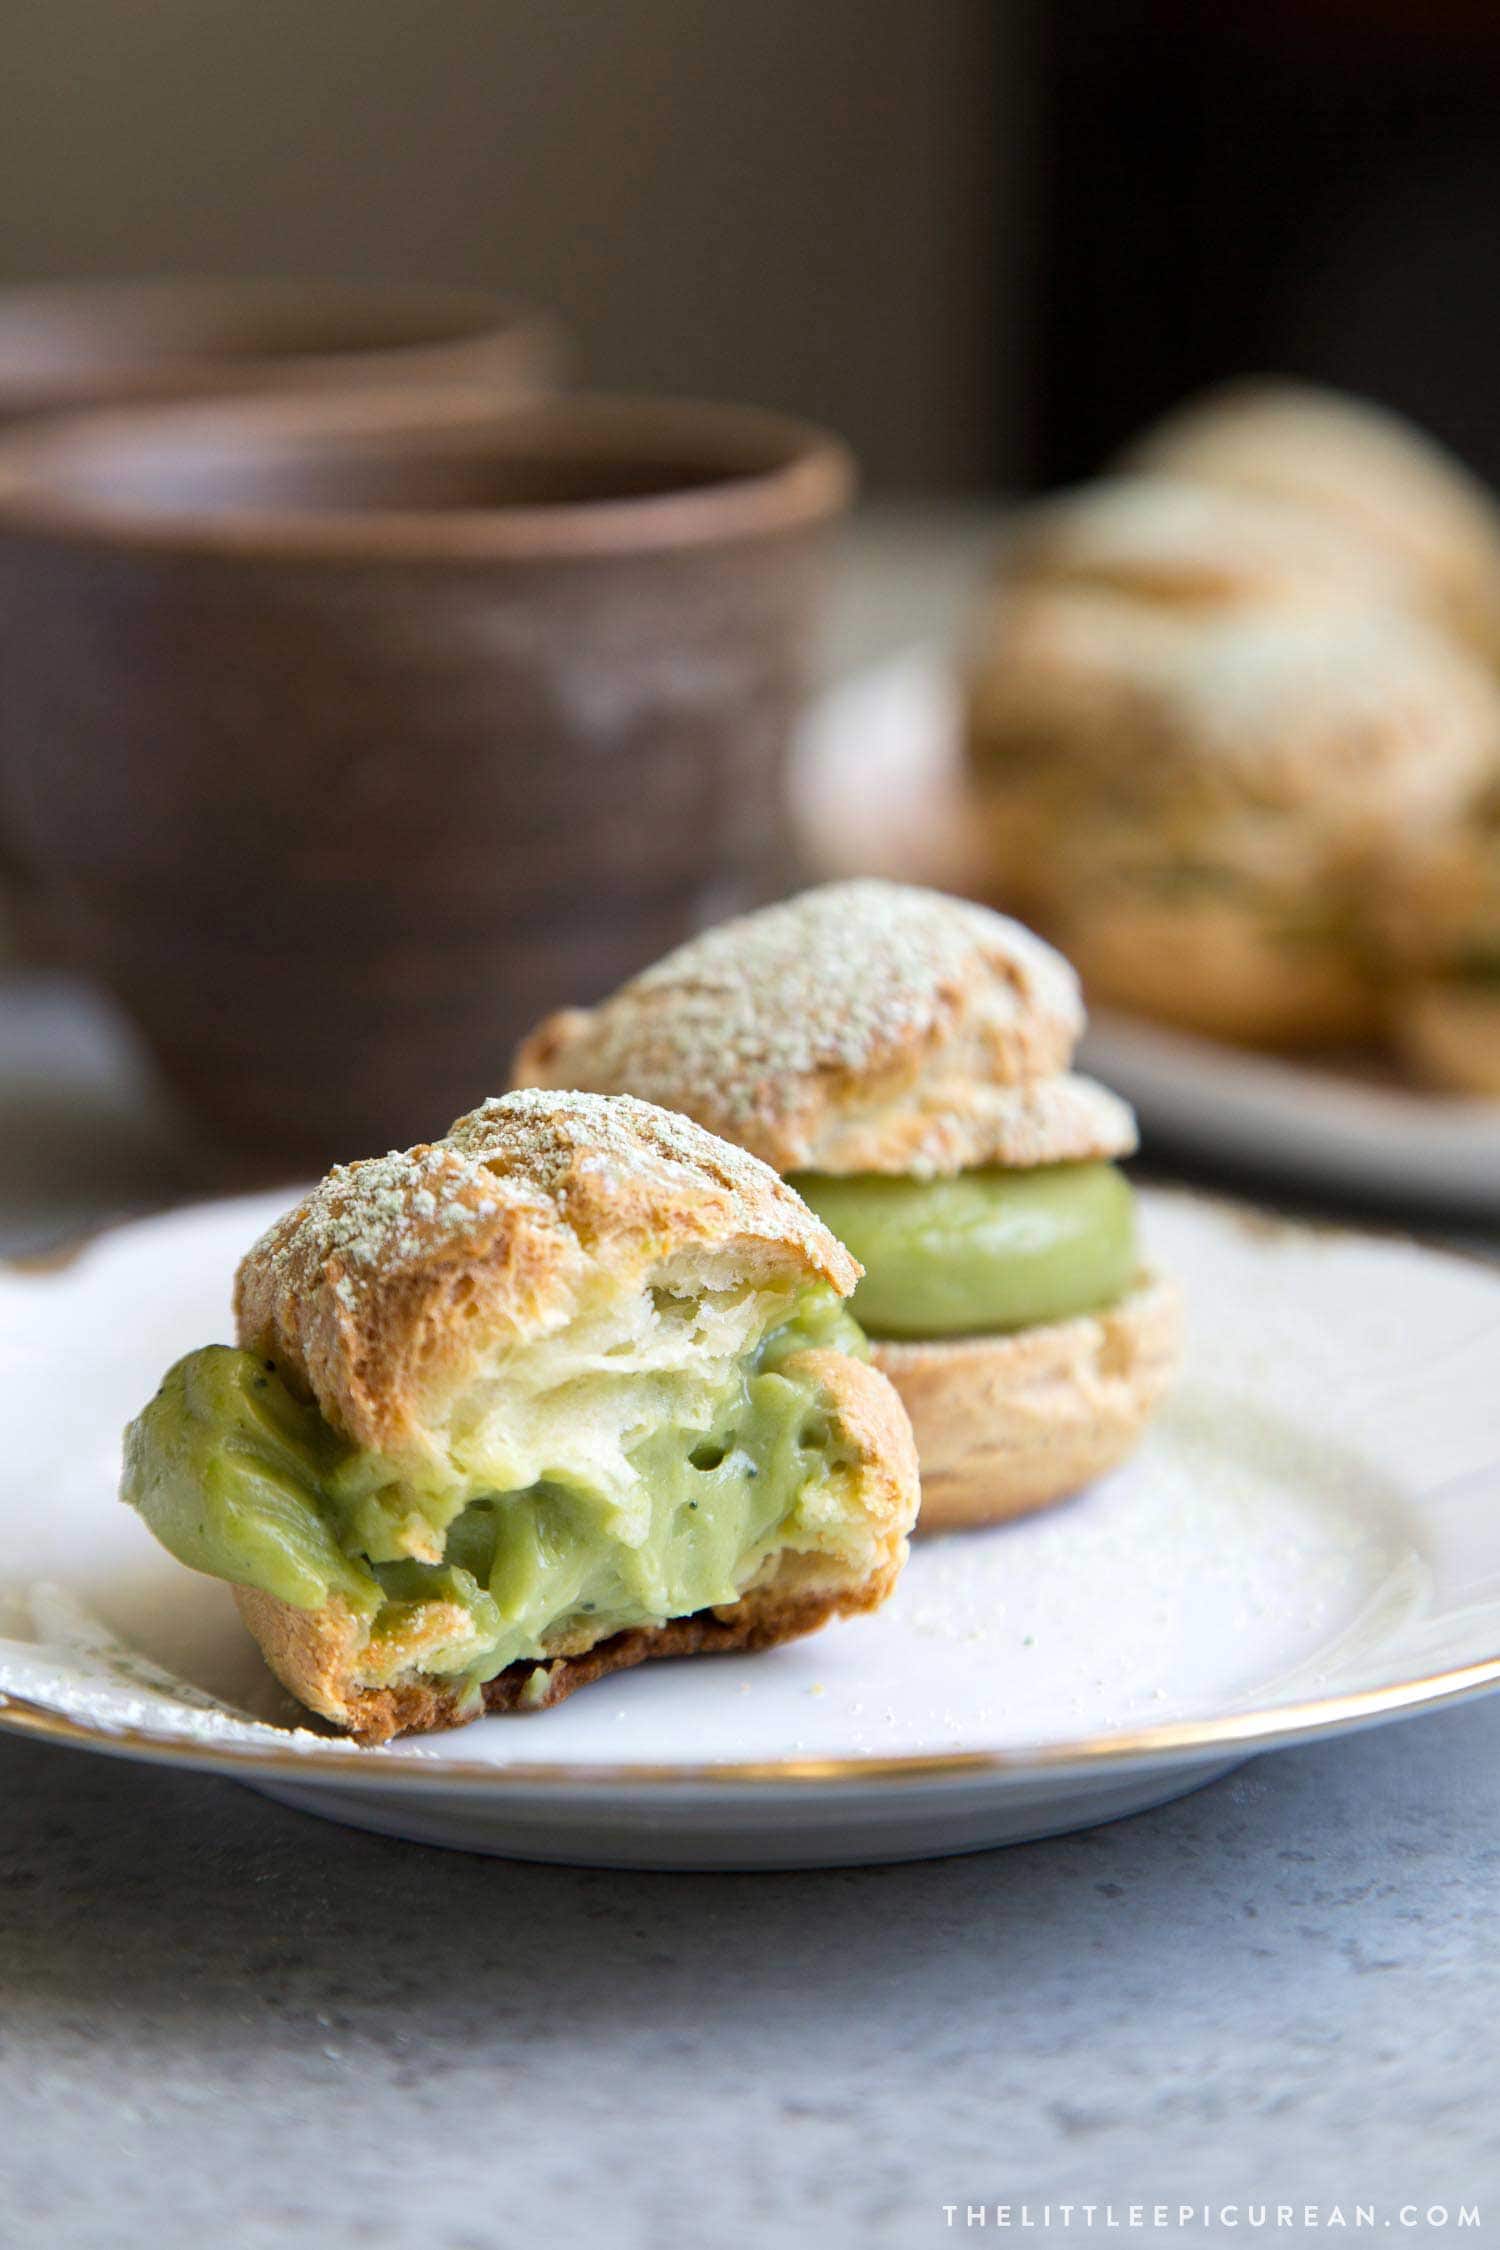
(779, 474)
(102, 344)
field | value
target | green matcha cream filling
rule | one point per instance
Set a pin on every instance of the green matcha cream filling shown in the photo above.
(239, 1478)
(983, 1252)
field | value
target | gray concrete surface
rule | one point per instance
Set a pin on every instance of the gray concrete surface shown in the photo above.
(227, 2023)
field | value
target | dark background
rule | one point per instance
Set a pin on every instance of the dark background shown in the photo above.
(1310, 186)
(985, 238)
(807, 205)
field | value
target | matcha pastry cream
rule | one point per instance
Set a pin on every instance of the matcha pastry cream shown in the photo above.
(571, 1387)
(904, 1058)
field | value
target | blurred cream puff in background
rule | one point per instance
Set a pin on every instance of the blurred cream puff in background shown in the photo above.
(1232, 731)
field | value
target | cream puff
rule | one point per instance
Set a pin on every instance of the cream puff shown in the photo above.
(570, 1388)
(903, 1058)
(1189, 765)
(1178, 545)
(1356, 466)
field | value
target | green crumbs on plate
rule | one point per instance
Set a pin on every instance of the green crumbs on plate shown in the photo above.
(983, 1252)
(238, 1478)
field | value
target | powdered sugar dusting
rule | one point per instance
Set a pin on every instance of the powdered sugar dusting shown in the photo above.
(838, 981)
(548, 1151)
(1368, 696)
(543, 1135)
(1166, 540)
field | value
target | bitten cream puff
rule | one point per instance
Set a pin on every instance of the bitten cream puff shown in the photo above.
(570, 1388)
(903, 1058)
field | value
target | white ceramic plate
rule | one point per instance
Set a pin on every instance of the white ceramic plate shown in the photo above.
(877, 793)
(1309, 1541)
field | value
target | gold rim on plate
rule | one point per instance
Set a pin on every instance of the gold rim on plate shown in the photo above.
(1241, 1730)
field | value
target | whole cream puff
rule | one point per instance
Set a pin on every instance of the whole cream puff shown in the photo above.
(1357, 466)
(1192, 755)
(903, 1058)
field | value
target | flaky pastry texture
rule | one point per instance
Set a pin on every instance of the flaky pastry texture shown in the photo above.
(395, 1283)
(1190, 549)
(863, 1026)
(1351, 725)
(1355, 465)
(316, 1653)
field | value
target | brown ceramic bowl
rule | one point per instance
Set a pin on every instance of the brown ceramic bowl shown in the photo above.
(71, 344)
(354, 733)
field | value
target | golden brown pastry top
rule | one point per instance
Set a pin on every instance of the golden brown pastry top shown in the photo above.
(397, 1279)
(1355, 464)
(1191, 547)
(863, 1026)
(1368, 718)
(1185, 642)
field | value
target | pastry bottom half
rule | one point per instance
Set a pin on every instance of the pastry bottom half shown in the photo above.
(311, 1654)
(1009, 1424)
(1225, 970)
